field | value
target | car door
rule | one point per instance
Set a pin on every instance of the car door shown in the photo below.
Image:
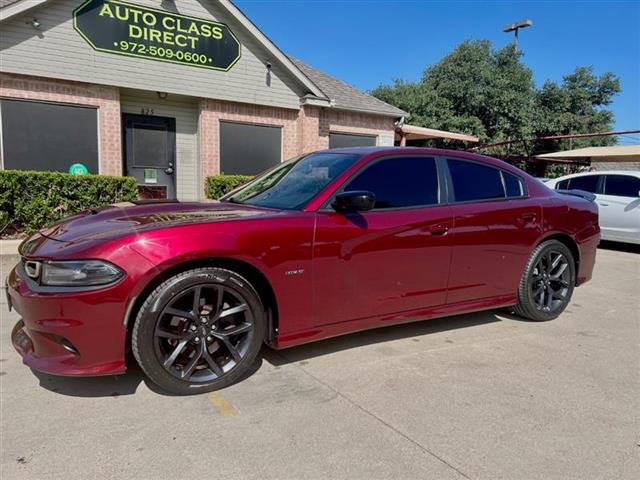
(390, 259)
(495, 225)
(619, 205)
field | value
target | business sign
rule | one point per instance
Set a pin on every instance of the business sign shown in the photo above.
(127, 29)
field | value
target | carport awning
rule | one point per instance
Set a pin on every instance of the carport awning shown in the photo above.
(622, 153)
(413, 132)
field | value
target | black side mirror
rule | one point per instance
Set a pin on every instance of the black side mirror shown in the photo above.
(355, 201)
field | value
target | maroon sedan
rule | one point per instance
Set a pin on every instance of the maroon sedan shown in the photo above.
(328, 243)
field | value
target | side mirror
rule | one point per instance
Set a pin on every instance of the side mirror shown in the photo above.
(355, 201)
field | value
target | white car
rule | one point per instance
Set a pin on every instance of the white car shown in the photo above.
(618, 196)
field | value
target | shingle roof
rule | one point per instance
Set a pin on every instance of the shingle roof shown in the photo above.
(346, 96)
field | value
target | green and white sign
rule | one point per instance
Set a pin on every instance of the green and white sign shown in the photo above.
(126, 29)
(78, 169)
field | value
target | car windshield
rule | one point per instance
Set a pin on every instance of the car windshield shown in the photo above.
(294, 183)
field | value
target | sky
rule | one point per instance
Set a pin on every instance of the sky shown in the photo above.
(366, 43)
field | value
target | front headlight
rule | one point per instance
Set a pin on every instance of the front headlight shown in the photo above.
(78, 273)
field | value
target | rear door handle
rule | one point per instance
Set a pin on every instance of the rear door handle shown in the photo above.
(528, 217)
(438, 229)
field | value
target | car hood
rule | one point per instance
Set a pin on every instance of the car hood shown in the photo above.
(129, 218)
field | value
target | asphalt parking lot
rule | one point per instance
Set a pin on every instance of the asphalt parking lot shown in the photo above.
(482, 396)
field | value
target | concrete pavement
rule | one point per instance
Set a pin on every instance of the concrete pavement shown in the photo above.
(481, 396)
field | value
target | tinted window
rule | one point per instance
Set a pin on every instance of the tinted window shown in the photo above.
(400, 182)
(622, 185)
(513, 185)
(249, 149)
(342, 140)
(588, 183)
(472, 181)
(562, 185)
(293, 184)
(45, 136)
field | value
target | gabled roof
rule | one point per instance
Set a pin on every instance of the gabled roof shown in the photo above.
(346, 97)
(323, 89)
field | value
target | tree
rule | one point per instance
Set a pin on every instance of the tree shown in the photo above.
(490, 93)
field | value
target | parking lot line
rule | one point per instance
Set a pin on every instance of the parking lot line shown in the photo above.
(224, 407)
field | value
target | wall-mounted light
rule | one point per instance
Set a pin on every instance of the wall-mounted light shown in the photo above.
(268, 79)
(162, 95)
(34, 23)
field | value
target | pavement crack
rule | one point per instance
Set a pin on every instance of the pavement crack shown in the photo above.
(382, 421)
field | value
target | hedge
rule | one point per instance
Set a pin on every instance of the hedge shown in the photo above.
(218, 185)
(30, 201)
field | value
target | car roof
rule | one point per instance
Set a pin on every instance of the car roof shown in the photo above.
(404, 150)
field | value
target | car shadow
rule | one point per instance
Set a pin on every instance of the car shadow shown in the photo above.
(383, 334)
(128, 383)
(619, 246)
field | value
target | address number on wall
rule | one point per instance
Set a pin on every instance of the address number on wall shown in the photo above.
(146, 111)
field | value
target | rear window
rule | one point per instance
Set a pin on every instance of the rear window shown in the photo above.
(513, 185)
(562, 185)
(473, 181)
(588, 183)
(622, 185)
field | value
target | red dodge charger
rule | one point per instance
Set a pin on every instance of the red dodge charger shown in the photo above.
(328, 243)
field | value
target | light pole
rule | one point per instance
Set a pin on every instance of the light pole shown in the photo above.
(514, 27)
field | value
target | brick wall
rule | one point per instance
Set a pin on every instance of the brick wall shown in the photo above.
(106, 99)
(338, 121)
(634, 166)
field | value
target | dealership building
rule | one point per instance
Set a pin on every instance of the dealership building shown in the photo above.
(167, 91)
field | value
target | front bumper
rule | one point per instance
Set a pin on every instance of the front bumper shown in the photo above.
(77, 334)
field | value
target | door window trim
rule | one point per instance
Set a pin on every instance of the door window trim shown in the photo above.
(442, 192)
(451, 196)
(603, 184)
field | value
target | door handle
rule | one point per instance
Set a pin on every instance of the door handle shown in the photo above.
(438, 229)
(527, 217)
(168, 170)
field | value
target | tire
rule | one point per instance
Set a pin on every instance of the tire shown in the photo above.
(546, 287)
(199, 331)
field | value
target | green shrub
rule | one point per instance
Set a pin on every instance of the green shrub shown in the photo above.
(34, 200)
(218, 185)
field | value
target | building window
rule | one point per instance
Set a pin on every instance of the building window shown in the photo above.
(46, 136)
(249, 149)
(343, 140)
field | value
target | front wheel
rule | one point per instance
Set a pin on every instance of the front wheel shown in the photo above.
(199, 331)
(547, 282)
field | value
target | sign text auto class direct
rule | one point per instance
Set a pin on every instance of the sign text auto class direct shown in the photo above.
(127, 29)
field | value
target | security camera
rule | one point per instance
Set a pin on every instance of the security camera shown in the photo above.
(268, 65)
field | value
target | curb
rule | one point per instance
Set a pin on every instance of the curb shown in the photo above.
(9, 247)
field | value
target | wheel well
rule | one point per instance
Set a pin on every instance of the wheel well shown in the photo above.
(246, 270)
(571, 245)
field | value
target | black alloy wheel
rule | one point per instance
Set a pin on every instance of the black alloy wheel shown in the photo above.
(547, 282)
(199, 331)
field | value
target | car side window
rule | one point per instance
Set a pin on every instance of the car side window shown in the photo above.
(473, 181)
(622, 185)
(399, 182)
(562, 185)
(512, 185)
(588, 183)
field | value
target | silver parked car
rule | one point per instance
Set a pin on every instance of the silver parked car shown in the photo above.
(618, 196)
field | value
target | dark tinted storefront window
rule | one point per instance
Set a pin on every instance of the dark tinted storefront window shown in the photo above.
(46, 136)
(343, 140)
(249, 149)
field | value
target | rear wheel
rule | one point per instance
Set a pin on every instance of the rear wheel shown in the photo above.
(547, 282)
(199, 331)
